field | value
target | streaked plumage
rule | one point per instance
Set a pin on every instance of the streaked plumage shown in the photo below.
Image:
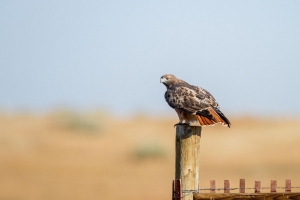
(192, 103)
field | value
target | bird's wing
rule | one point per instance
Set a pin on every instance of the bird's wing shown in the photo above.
(198, 101)
(190, 99)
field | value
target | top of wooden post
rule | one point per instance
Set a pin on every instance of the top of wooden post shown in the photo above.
(186, 131)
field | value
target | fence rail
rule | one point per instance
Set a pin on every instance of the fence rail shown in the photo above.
(178, 193)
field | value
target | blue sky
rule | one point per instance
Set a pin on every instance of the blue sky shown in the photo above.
(111, 54)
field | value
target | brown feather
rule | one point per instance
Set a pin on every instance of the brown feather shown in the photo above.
(204, 121)
(217, 118)
(210, 122)
(200, 120)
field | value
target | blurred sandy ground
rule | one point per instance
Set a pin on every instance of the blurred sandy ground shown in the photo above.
(69, 155)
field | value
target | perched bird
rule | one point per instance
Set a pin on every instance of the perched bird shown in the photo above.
(193, 104)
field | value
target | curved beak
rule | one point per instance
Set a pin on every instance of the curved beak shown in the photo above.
(162, 80)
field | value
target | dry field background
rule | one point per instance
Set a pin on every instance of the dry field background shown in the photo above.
(69, 155)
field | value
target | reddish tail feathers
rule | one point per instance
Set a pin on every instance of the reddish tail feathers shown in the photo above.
(217, 117)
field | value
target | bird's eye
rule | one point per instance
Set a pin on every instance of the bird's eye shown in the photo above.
(167, 78)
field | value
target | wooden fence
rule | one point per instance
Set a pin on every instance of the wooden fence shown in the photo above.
(186, 183)
(178, 193)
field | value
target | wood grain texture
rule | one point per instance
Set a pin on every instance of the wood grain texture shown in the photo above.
(187, 158)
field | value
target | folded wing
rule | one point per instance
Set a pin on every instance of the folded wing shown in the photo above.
(197, 101)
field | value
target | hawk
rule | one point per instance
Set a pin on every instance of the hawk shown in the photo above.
(193, 104)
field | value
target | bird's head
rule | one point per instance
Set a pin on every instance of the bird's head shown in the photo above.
(168, 80)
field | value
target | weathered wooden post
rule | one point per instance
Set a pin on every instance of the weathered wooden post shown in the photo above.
(187, 159)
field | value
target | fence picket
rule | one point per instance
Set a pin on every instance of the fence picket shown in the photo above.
(288, 185)
(242, 185)
(212, 186)
(176, 189)
(226, 186)
(257, 187)
(273, 185)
